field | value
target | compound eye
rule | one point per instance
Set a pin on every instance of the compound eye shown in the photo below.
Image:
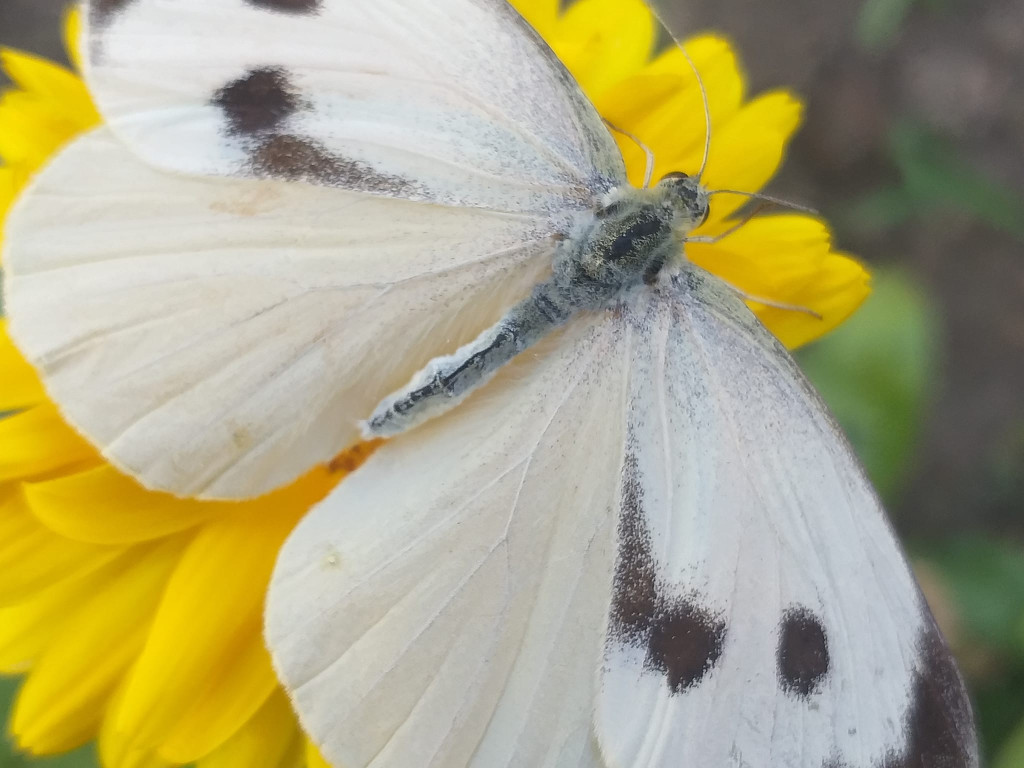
(704, 218)
(675, 175)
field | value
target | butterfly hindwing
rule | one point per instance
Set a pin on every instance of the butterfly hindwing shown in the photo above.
(457, 102)
(444, 605)
(762, 612)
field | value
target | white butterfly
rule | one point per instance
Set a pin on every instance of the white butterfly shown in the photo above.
(643, 544)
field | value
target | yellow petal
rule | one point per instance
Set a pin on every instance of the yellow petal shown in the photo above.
(664, 108)
(115, 750)
(21, 386)
(60, 706)
(542, 14)
(30, 135)
(235, 688)
(11, 180)
(33, 558)
(73, 37)
(839, 288)
(270, 738)
(28, 627)
(767, 253)
(602, 41)
(202, 686)
(787, 258)
(103, 506)
(37, 442)
(46, 80)
(747, 150)
(313, 757)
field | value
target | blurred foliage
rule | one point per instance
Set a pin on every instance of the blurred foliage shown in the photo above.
(9, 758)
(876, 371)
(933, 176)
(880, 21)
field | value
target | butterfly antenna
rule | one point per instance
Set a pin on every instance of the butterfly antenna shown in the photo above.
(700, 84)
(765, 199)
(648, 153)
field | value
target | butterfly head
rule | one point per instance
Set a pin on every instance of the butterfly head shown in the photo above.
(687, 200)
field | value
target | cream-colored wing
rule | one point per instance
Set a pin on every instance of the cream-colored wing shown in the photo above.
(445, 605)
(218, 337)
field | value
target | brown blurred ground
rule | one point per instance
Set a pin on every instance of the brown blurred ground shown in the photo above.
(956, 66)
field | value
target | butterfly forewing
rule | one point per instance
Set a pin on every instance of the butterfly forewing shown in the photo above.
(450, 101)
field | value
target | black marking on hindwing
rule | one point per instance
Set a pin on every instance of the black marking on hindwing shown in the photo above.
(939, 725)
(258, 102)
(681, 639)
(802, 654)
(296, 7)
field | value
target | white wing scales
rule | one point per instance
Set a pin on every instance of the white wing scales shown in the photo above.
(443, 607)
(439, 608)
(762, 613)
(450, 101)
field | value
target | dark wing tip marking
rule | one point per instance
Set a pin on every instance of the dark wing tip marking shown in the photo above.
(802, 655)
(101, 11)
(259, 101)
(681, 640)
(310, 7)
(940, 724)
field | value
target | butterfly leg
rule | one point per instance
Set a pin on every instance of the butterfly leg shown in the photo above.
(445, 381)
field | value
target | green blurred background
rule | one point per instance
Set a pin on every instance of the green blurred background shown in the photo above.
(914, 150)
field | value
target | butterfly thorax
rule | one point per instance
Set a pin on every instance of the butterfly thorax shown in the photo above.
(621, 245)
(627, 241)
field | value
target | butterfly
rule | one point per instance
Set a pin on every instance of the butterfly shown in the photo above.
(616, 527)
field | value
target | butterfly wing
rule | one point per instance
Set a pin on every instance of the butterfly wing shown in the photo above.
(450, 101)
(647, 546)
(377, 183)
(762, 611)
(444, 605)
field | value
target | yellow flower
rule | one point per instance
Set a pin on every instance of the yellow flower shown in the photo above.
(136, 616)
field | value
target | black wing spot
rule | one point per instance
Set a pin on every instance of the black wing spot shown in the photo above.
(685, 644)
(681, 640)
(298, 7)
(258, 102)
(102, 11)
(940, 724)
(803, 652)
